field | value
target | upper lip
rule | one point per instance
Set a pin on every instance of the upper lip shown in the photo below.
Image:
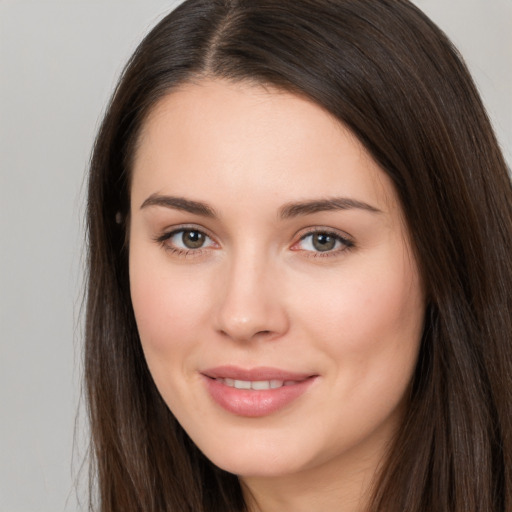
(254, 374)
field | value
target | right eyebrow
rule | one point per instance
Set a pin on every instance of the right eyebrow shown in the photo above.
(179, 203)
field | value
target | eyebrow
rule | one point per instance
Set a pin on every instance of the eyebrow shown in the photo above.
(179, 203)
(291, 210)
(288, 211)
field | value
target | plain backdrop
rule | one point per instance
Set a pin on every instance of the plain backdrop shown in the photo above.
(59, 61)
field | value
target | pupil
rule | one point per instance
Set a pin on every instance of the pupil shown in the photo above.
(193, 239)
(323, 242)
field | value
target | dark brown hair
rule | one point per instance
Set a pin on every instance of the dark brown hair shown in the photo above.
(389, 74)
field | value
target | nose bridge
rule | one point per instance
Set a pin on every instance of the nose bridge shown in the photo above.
(250, 304)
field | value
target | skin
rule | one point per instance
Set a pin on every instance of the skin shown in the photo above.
(260, 293)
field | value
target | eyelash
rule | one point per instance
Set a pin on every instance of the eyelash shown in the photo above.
(346, 243)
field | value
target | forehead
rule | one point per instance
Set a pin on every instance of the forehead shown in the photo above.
(222, 140)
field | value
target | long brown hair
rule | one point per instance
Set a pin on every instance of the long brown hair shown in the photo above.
(389, 74)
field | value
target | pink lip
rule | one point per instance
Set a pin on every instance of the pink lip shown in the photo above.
(259, 373)
(255, 403)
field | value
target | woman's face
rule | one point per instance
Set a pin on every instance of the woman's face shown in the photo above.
(276, 294)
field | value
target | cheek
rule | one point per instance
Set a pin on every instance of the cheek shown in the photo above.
(369, 318)
(355, 302)
(166, 304)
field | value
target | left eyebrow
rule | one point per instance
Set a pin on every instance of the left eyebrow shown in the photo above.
(291, 210)
(179, 203)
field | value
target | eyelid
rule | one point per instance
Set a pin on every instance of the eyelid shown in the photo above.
(172, 230)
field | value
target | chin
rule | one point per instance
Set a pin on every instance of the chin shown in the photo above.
(258, 459)
(255, 467)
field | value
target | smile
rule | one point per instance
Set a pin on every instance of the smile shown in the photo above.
(257, 385)
(256, 392)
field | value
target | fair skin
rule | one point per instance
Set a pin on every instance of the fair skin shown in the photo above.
(230, 270)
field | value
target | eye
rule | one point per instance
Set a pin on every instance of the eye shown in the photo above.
(185, 241)
(323, 242)
(189, 239)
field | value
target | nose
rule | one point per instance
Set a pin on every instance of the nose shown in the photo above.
(251, 303)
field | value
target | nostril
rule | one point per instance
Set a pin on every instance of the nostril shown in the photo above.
(257, 334)
(251, 320)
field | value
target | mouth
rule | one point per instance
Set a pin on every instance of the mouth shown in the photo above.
(257, 374)
(255, 392)
(256, 385)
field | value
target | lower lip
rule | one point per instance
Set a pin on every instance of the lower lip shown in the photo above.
(255, 403)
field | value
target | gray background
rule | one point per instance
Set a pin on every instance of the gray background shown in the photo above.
(59, 61)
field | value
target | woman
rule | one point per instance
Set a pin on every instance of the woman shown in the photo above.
(299, 293)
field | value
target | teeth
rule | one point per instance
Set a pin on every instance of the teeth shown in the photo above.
(242, 384)
(260, 384)
(257, 385)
